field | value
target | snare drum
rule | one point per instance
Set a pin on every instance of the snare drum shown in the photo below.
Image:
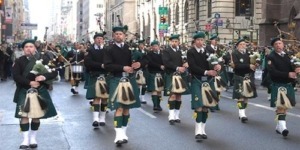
(77, 68)
(229, 69)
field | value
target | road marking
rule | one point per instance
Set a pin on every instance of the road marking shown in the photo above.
(146, 113)
(265, 107)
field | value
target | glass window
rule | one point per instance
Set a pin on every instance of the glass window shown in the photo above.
(242, 6)
(186, 12)
(197, 16)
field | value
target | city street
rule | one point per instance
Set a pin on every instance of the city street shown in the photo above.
(72, 128)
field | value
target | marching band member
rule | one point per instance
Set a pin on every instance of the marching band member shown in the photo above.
(95, 65)
(156, 70)
(140, 54)
(244, 86)
(201, 79)
(76, 58)
(214, 48)
(29, 83)
(282, 91)
(124, 94)
(175, 85)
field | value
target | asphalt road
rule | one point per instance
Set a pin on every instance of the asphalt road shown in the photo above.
(72, 129)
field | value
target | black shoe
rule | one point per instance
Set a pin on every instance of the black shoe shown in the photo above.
(285, 133)
(24, 147)
(119, 143)
(203, 136)
(278, 132)
(177, 121)
(172, 122)
(143, 102)
(198, 137)
(125, 141)
(102, 123)
(95, 124)
(33, 145)
(159, 108)
(74, 92)
(244, 119)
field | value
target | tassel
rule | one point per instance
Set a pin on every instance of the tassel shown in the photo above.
(209, 97)
(130, 94)
(42, 102)
(106, 87)
(218, 82)
(161, 82)
(214, 96)
(102, 88)
(124, 96)
(157, 81)
(138, 76)
(27, 105)
(223, 83)
(176, 83)
(249, 87)
(281, 99)
(182, 83)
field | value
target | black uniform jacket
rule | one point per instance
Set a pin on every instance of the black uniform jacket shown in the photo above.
(115, 58)
(172, 59)
(197, 62)
(94, 59)
(154, 62)
(279, 67)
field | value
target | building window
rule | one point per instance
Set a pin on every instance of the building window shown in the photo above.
(197, 16)
(186, 12)
(177, 14)
(209, 8)
(99, 5)
(241, 6)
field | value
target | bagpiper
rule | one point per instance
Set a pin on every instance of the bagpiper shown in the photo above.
(175, 73)
(123, 89)
(156, 70)
(203, 94)
(214, 48)
(142, 73)
(244, 86)
(282, 75)
(31, 96)
(97, 88)
(76, 58)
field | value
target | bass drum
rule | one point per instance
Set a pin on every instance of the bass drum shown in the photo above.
(77, 69)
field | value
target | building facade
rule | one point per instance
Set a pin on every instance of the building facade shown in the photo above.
(286, 13)
(121, 12)
(230, 19)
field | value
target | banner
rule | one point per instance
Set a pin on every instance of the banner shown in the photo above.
(8, 15)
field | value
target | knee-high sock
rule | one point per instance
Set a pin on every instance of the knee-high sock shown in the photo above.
(199, 116)
(172, 105)
(35, 125)
(103, 107)
(118, 121)
(177, 105)
(24, 127)
(204, 116)
(125, 120)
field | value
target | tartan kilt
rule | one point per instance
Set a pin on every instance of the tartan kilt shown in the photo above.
(113, 104)
(290, 93)
(20, 97)
(86, 78)
(151, 82)
(196, 94)
(238, 80)
(168, 83)
(91, 91)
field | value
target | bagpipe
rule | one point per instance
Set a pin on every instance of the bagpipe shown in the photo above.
(219, 84)
(34, 106)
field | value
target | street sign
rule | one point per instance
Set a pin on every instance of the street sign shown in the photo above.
(28, 26)
(163, 10)
(219, 22)
(217, 15)
(163, 26)
(208, 27)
